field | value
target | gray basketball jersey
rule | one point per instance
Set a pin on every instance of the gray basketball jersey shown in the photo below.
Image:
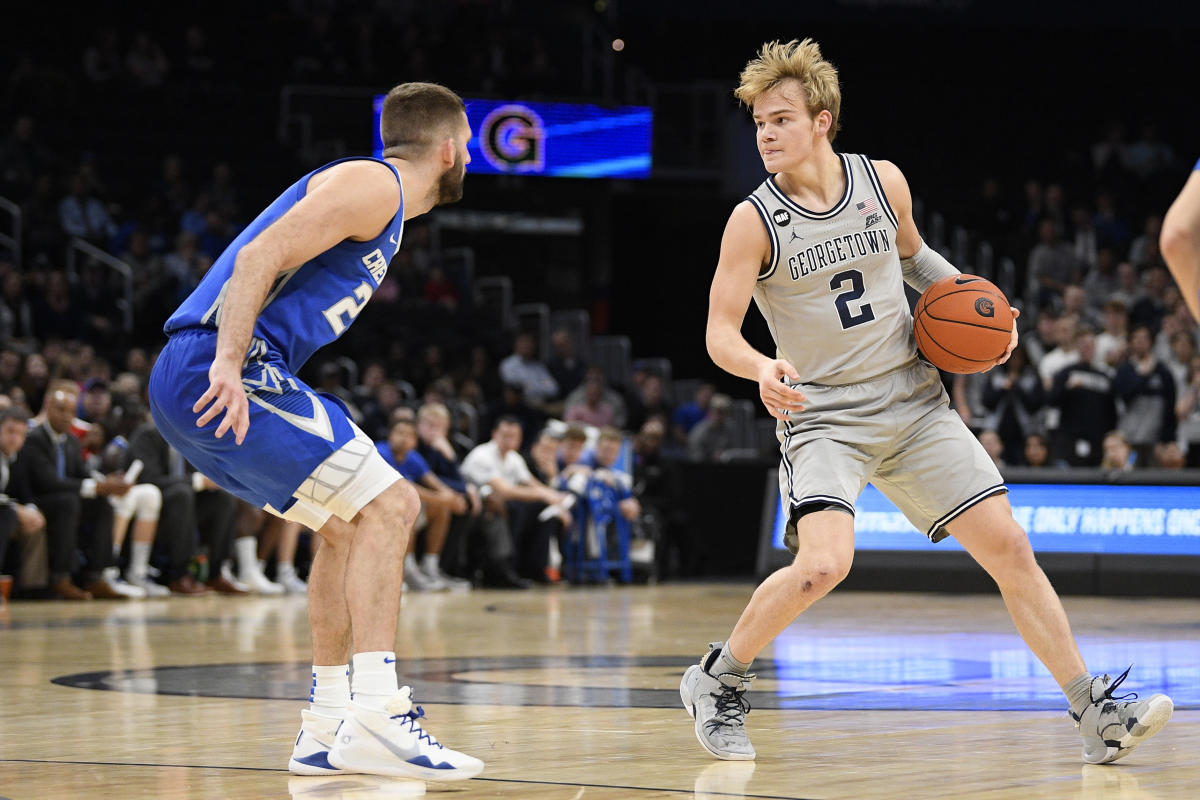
(833, 291)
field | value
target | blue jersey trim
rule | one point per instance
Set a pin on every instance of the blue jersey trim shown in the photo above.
(303, 187)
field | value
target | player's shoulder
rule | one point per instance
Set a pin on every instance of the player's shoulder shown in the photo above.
(894, 184)
(886, 170)
(363, 174)
(747, 219)
(745, 211)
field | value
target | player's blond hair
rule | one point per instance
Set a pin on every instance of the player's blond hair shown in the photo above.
(796, 60)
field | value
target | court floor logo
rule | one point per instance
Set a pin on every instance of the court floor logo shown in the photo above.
(901, 683)
(513, 139)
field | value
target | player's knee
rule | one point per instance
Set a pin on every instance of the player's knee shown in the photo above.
(1008, 549)
(400, 503)
(820, 574)
(151, 504)
(337, 532)
(1174, 239)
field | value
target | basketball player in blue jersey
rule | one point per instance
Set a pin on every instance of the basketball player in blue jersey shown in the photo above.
(1180, 241)
(824, 246)
(224, 392)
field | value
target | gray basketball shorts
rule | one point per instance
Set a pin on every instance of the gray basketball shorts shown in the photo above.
(896, 431)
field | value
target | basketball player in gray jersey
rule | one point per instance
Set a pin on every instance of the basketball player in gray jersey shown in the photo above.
(824, 247)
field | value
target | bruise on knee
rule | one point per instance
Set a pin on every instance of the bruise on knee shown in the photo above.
(821, 578)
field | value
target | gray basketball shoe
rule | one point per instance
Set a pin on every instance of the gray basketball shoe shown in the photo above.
(719, 706)
(1112, 727)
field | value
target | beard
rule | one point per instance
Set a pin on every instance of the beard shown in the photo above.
(450, 183)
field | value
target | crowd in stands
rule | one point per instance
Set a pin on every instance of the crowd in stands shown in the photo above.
(95, 503)
(1109, 350)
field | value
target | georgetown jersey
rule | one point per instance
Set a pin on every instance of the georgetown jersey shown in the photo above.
(308, 306)
(833, 291)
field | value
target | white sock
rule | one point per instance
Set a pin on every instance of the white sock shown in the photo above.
(430, 563)
(410, 564)
(139, 559)
(374, 680)
(247, 555)
(284, 571)
(330, 691)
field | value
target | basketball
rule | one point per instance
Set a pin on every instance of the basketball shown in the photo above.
(963, 323)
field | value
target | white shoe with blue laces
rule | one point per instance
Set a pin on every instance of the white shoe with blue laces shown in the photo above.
(392, 742)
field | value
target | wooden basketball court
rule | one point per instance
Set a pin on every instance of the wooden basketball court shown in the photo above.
(572, 693)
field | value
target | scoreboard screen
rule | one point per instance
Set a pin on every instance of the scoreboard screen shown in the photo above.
(563, 140)
(1059, 518)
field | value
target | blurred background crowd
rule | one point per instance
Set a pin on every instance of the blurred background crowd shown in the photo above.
(543, 389)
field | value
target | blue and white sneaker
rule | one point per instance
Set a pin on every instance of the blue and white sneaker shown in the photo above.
(310, 754)
(392, 742)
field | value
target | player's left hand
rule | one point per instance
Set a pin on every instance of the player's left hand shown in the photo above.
(1012, 343)
(225, 393)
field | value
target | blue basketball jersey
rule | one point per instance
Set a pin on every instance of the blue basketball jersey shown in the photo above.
(311, 305)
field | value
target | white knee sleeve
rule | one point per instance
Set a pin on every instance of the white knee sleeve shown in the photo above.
(147, 501)
(143, 501)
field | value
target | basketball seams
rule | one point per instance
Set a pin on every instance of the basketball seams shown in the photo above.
(926, 337)
(928, 306)
(953, 321)
(927, 322)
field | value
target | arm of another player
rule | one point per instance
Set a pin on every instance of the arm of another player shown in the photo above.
(744, 248)
(923, 266)
(353, 200)
(1180, 242)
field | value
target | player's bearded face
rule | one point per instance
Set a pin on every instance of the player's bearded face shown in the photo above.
(450, 184)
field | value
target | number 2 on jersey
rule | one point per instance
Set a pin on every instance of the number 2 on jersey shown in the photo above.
(842, 301)
(349, 307)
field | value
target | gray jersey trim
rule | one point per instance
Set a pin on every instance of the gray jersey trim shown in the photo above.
(822, 498)
(945, 519)
(787, 466)
(804, 212)
(766, 221)
(873, 176)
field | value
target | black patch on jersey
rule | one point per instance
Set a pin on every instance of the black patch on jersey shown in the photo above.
(781, 216)
(872, 220)
(984, 307)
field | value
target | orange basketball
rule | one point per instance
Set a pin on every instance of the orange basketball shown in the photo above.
(963, 323)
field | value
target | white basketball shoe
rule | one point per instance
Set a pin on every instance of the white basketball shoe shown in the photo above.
(392, 742)
(310, 754)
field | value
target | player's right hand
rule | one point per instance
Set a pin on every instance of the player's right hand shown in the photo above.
(225, 393)
(779, 398)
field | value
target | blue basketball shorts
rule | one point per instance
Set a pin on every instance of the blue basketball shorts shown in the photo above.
(303, 458)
